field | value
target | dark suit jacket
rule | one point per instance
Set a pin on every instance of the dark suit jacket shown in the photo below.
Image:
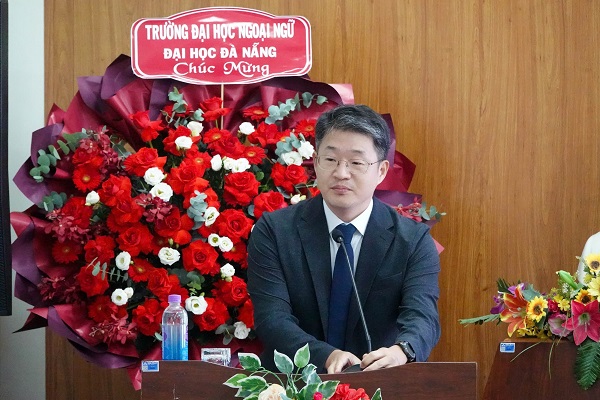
(289, 279)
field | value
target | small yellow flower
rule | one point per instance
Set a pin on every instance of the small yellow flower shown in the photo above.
(536, 309)
(594, 286)
(584, 297)
(593, 263)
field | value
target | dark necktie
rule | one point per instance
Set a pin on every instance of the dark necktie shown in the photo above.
(341, 289)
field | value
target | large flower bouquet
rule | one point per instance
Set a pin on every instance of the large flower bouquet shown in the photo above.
(145, 188)
(297, 371)
(568, 311)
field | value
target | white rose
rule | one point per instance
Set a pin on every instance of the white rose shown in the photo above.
(272, 392)
(297, 198)
(240, 165)
(153, 176)
(225, 244)
(162, 190)
(292, 157)
(227, 271)
(129, 292)
(196, 305)
(214, 239)
(119, 297)
(183, 142)
(306, 150)
(216, 163)
(210, 216)
(123, 260)
(196, 127)
(92, 198)
(246, 128)
(168, 256)
(228, 163)
(241, 330)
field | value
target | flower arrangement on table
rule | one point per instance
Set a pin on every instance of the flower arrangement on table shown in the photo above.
(145, 188)
(569, 311)
(256, 386)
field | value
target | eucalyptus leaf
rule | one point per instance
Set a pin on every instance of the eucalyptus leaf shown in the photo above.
(321, 100)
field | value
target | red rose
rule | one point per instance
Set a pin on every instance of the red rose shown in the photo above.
(181, 131)
(287, 177)
(246, 313)
(113, 188)
(190, 189)
(175, 226)
(212, 109)
(216, 314)
(149, 128)
(136, 239)
(90, 284)
(268, 201)
(146, 157)
(232, 293)
(266, 134)
(234, 224)
(125, 212)
(201, 256)
(100, 250)
(240, 188)
(148, 316)
(228, 146)
(180, 176)
(159, 283)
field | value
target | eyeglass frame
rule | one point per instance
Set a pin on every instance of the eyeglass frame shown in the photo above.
(317, 158)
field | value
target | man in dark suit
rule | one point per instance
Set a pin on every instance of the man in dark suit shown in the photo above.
(293, 274)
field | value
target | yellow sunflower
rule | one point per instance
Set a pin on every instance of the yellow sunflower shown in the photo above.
(584, 297)
(536, 308)
(593, 263)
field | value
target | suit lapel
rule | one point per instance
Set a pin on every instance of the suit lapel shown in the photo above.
(376, 242)
(314, 236)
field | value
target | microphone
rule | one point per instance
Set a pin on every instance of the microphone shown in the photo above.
(338, 237)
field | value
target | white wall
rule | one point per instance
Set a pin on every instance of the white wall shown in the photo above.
(22, 355)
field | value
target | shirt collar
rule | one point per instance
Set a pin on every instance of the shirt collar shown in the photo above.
(360, 222)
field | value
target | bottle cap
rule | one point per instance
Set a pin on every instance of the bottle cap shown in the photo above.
(174, 298)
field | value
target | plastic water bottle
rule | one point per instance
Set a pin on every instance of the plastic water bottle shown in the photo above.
(175, 330)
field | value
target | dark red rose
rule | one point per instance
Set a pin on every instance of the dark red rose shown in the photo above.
(125, 213)
(159, 283)
(136, 239)
(113, 188)
(267, 202)
(231, 293)
(216, 314)
(90, 284)
(148, 316)
(240, 188)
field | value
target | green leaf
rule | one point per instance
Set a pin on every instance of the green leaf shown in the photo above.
(587, 364)
(377, 395)
(302, 356)
(308, 391)
(480, 320)
(321, 100)
(234, 381)
(283, 362)
(175, 96)
(254, 384)
(309, 374)
(503, 286)
(327, 388)
(249, 361)
(63, 146)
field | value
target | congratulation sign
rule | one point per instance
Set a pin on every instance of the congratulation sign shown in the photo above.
(221, 45)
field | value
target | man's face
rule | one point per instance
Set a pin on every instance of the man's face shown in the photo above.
(348, 194)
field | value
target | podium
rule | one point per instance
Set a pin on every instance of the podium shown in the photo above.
(198, 380)
(527, 376)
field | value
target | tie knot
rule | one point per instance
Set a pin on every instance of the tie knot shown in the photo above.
(348, 231)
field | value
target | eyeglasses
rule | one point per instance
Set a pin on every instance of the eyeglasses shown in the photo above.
(357, 166)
